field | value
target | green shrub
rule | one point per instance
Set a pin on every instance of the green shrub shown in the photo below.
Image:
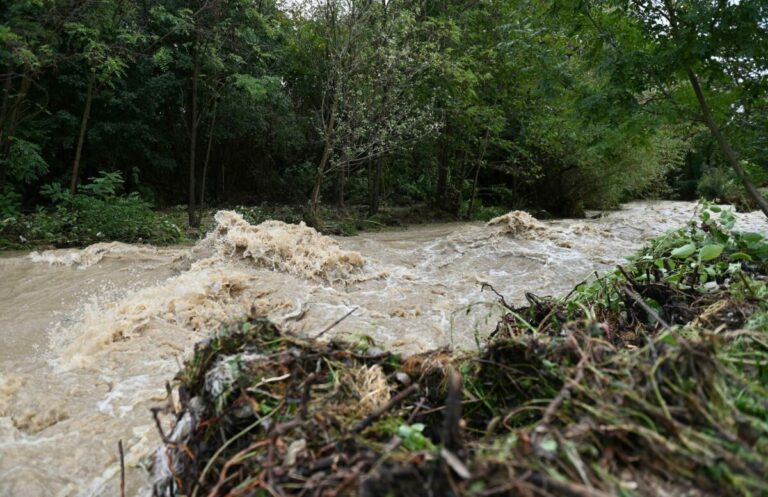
(10, 203)
(97, 213)
(25, 163)
(708, 254)
(715, 184)
(124, 218)
(721, 184)
(481, 212)
(756, 173)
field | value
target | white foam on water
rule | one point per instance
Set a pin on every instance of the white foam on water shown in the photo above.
(93, 254)
(296, 249)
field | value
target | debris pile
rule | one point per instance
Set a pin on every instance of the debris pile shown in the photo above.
(573, 411)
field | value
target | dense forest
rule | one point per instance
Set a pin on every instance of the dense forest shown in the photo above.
(557, 105)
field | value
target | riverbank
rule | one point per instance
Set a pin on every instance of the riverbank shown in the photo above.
(340, 221)
(73, 228)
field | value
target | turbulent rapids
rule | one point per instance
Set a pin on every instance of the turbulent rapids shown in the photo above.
(90, 336)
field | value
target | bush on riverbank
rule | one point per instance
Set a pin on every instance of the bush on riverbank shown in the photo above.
(724, 186)
(649, 380)
(97, 213)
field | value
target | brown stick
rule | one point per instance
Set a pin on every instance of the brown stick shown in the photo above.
(553, 406)
(706, 115)
(452, 414)
(564, 488)
(122, 468)
(231, 462)
(334, 324)
(278, 430)
(208, 153)
(639, 301)
(501, 297)
(155, 411)
(725, 146)
(81, 135)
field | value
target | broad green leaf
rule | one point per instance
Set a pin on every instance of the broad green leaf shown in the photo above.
(740, 256)
(684, 251)
(709, 252)
(752, 237)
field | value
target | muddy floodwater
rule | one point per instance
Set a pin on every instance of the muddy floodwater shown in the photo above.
(89, 337)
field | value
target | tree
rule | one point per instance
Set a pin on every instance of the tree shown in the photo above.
(717, 48)
(103, 38)
(26, 51)
(211, 43)
(369, 72)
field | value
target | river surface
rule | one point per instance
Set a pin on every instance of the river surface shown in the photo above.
(89, 337)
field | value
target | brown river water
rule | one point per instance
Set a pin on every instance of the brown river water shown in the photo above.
(89, 337)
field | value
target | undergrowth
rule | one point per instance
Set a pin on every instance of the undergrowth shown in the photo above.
(98, 212)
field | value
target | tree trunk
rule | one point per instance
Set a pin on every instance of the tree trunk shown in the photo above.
(730, 154)
(314, 201)
(4, 108)
(3, 117)
(477, 174)
(81, 136)
(313, 216)
(443, 168)
(378, 175)
(473, 195)
(13, 120)
(378, 172)
(341, 179)
(14, 111)
(709, 120)
(194, 221)
(372, 200)
(208, 153)
(222, 186)
(374, 186)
